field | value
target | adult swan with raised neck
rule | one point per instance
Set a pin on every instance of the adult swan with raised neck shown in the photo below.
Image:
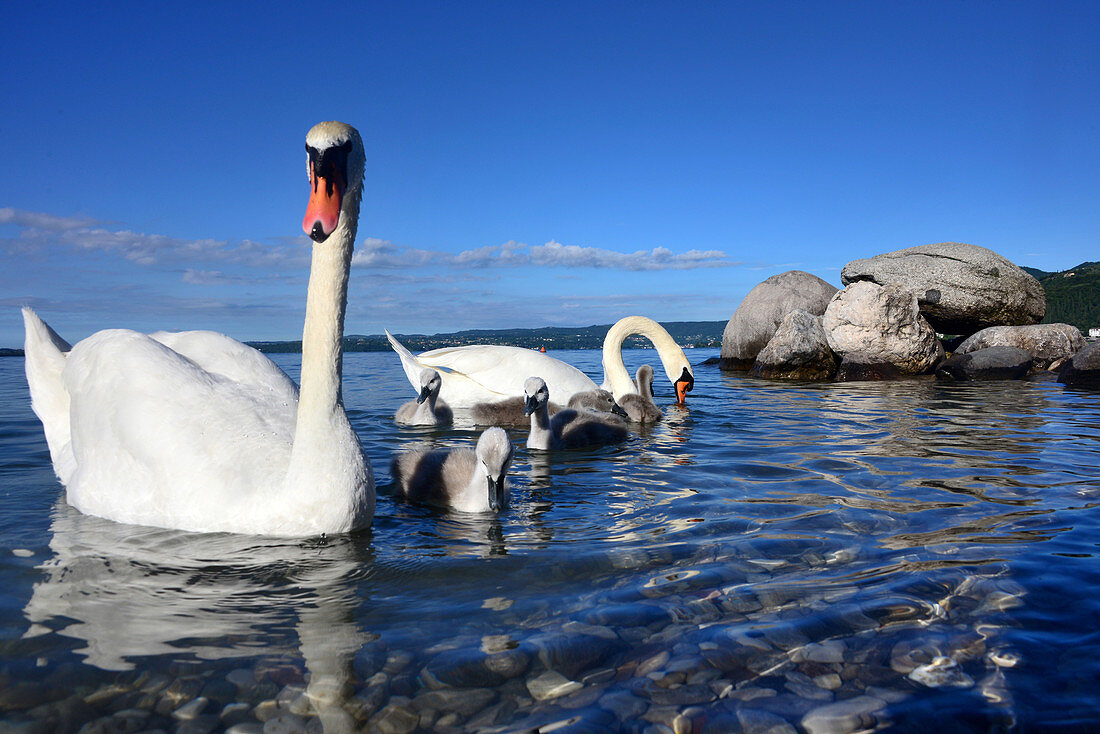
(196, 431)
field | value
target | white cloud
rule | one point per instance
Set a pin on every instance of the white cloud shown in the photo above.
(382, 254)
(43, 232)
(38, 220)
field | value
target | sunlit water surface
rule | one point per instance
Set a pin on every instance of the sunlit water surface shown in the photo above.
(820, 557)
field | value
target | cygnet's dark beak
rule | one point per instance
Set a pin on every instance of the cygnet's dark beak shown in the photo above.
(424, 393)
(495, 493)
(531, 405)
(617, 410)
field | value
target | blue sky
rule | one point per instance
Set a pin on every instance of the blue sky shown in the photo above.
(529, 164)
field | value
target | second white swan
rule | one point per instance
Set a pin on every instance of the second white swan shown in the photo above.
(484, 373)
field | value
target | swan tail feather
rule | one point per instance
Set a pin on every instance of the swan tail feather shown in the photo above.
(409, 362)
(45, 356)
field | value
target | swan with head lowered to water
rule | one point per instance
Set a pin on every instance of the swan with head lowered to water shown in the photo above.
(196, 431)
(485, 373)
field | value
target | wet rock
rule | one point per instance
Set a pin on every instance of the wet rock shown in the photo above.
(369, 660)
(797, 351)
(121, 722)
(844, 717)
(830, 651)
(461, 701)
(191, 709)
(235, 713)
(627, 615)
(909, 654)
(754, 721)
(941, 672)
(623, 704)
(1083, 369)
(860, 367)
(23, 695)
(1045, 343)
(508, 664)
(882, 322)
(266, 710)
(752, 693)
(398, 717)
(207, 723)
(177, 693)
(464, 668)
(804, 687)
(243, 678)
(960, 288)
(247, 727)
(367, 702)
(683, 695)
(759, 314)
(570, 655)
(550, 685)
(991, 363)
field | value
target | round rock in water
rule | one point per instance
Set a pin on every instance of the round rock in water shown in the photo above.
(755, 321)
(991, 363)
(882, 323)
(798, 351)
(961, 288)
(1084, 368)
(1046, 343)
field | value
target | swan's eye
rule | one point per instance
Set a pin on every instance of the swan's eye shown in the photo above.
(330, 163)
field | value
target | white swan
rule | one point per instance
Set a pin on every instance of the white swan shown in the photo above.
(196, 431)
(470, 481)
(427, 409)
(567, 429)
(484, 373)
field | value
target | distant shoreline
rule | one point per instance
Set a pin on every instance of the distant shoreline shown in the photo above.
(688, 334)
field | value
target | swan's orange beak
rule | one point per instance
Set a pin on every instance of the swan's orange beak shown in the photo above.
(323, 210)
(683, 387)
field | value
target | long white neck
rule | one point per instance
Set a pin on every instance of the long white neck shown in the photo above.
(320, 404)
(615, 377)
(542, 432)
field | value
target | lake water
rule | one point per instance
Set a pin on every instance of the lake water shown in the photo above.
(774, 557)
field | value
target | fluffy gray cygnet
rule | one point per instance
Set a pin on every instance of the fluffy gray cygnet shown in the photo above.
(427, 409)
(567, 429)
(511, 411)
(640, 407)
(460, 479)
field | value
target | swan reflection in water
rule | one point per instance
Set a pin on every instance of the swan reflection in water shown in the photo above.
(132, 592)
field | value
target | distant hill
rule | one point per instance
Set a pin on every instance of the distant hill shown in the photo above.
(686, 333)
(1073, 296)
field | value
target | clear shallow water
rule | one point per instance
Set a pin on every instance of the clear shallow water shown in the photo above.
(829, 557)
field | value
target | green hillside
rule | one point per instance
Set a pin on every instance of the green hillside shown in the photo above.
(686, 333)
(1073, 296)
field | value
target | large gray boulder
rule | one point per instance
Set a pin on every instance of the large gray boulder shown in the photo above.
(754, 322)
(884, 325)
(1046, 343)
(990, 363)
(961, 288)
(1083, 368)
(798, 351)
